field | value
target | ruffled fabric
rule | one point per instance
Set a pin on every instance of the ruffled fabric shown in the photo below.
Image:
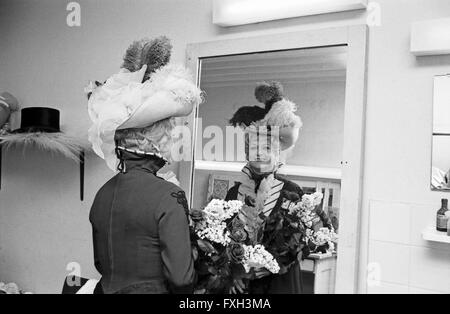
(115, 102)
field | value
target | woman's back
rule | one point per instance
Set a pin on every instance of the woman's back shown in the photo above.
(141, 234)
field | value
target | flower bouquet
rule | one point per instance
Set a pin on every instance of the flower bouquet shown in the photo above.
(232, 240)
(319, 238)
(225, 238)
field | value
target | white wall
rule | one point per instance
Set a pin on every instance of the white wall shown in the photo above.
(398, 155)
(43, 62)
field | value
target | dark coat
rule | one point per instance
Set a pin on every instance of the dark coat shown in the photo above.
(141, 234)
(290, 282)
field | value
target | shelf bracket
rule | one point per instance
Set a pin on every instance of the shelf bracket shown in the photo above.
(82, 161)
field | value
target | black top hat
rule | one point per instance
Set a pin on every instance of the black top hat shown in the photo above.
(39, 119)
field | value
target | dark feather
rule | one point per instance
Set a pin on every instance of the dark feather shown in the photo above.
(269, 93)
(247, 115)
(156, 54)
(132, 59)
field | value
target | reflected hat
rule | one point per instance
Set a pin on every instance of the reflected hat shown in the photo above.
(279, 114)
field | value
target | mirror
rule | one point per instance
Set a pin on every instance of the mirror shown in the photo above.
(440, 170)
(315, 80)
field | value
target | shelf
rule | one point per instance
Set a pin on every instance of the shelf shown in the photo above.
(431, 234)
(301, 171)
(431, 37)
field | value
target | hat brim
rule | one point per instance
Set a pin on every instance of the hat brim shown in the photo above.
(37, 129)
(148, 114)
(288, 137)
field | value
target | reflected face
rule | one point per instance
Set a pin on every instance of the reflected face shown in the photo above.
(263, 156)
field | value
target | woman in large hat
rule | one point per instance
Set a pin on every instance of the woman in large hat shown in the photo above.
(270, 131)
(139, 220)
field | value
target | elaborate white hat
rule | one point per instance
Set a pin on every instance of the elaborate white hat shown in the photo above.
(134, 101)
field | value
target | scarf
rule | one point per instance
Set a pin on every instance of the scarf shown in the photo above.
(259, 190)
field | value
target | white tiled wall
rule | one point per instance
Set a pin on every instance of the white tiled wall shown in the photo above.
(401, 261)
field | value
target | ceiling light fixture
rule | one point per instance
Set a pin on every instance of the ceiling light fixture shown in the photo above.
(240, 12)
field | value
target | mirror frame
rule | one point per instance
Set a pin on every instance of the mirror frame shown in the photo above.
(433, 133)
(356, 39)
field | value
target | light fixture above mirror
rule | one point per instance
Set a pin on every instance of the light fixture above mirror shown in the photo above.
(240, 12)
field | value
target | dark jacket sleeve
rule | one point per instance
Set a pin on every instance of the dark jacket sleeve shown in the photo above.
(96, 259)
(173, 227)
(290, 186)
(94, 237)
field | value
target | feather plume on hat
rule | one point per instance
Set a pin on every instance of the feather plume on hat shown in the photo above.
(153, 53)
(278, 111)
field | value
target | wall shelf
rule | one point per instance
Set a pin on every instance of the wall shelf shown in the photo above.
(431, 234)
(430, 37)
(301, 171)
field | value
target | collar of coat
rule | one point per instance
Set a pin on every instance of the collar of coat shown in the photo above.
(263, 194)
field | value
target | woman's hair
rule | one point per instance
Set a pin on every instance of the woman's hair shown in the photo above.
(157, 138)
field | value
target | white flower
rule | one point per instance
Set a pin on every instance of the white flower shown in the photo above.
(213, 227)
(215, 233)
(322, 236)
(233, 207)
(305, 209)
(221, 210)
(257, 257)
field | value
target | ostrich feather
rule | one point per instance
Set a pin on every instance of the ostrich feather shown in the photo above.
(154, 53)
(59, 143)
(269, 93)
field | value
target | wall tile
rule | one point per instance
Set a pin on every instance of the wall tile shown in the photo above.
(414, 290)
(392, 259)
(389, 222)
(388, 288)
(430, 269)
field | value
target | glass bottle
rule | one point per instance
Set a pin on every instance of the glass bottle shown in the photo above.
(442, 219)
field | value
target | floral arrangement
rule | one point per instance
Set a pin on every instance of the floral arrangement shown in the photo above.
(319, 239)
(257, 257)
(225, 245)
(232, 240)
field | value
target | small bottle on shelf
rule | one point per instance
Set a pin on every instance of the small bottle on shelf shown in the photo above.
(442, 218)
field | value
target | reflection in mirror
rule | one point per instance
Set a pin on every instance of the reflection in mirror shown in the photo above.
(313, 79)
(440, 172)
